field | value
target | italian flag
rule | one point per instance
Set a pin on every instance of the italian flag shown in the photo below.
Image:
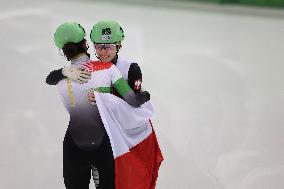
(133, 140)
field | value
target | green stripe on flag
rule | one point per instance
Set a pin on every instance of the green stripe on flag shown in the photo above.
(99, 89)
(122, 87)
(103, 89)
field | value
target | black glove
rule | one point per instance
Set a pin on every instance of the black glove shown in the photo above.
(146, 95)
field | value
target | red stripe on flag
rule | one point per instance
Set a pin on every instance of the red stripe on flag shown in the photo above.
(138, 169)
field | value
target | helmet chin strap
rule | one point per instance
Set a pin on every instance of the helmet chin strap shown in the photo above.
(60, 52)
(97, 55)
(117, 48)
(114, 60)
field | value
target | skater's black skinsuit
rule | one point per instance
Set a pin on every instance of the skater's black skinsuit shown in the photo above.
(78, 154)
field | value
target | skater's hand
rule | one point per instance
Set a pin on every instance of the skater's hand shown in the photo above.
(91, 98)
(77, 74)
(146, 95)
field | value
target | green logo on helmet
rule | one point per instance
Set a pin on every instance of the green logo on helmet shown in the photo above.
(106, 34)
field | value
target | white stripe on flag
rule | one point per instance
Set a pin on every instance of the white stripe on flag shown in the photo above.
(125, 125)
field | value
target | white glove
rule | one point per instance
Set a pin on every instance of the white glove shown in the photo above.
(76, 73)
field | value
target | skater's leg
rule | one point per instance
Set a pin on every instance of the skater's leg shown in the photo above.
(104, 162)
(76, 168)
(96, 175)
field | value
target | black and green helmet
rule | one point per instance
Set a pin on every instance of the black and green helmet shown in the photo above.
(68, 32)
(107, 31)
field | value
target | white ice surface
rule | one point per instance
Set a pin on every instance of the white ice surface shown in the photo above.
(215, 78)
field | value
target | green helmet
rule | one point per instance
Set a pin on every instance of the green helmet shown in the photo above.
(68, 32)
(107, 32)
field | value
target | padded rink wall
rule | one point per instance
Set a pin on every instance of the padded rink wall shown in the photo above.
(270, 3)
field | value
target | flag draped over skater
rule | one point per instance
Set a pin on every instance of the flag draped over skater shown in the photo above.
(134, 144)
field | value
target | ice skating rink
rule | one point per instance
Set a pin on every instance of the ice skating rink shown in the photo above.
(215, 75)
